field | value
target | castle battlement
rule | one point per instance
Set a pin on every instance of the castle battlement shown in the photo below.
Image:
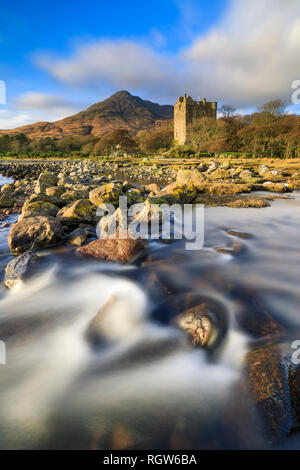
(186, 110)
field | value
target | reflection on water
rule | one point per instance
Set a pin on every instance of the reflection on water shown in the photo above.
(144, 386)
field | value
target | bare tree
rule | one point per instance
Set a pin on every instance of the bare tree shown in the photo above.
(227, 110)
(276, 108)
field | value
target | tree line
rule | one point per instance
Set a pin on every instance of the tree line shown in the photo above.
(269, 132)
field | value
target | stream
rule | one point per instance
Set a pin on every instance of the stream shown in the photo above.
(145, 386)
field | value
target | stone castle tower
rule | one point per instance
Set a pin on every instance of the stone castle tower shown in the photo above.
(186, 110)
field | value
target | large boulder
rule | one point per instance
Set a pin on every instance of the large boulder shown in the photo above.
(74, 195)
(185, 177)
(6, 199)
(45, 180)
(56, 201)
(114, 249)
(178, 193)
(33, 233)
(37, 208)
(18, 267)
(81, 211)
(274, 381)
(108, 193)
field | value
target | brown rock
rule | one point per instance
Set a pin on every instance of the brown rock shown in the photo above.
(197, 324)
(274, 382)
(153, 188)
(34, 232)
(234, 249)
(113, 249)
(252, 203)
(242, 235)
(187, 177)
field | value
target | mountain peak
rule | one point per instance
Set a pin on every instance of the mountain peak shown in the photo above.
(122, 93)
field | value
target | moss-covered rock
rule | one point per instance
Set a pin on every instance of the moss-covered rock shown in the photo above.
(74, 195)
(278, 187)
(56, 201)
(108, 193)
(220, 174)
(243, 203)
(81, 211)
(6, 199)
(156, 200)
(223, 189)
(186, 177)
(42, 208)
(178, 193)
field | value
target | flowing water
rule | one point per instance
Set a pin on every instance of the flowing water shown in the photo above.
(144, 386)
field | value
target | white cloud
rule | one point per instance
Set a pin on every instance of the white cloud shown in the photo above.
(250, 56)
(10, 119)
(44, 101)
(123, 64)
(32, 107)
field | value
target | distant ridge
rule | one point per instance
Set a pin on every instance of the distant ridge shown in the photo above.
(121, 110)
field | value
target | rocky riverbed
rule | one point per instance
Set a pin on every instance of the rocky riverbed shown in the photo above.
(132, 344)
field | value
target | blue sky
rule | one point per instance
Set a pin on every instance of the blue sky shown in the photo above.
(58, 58)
